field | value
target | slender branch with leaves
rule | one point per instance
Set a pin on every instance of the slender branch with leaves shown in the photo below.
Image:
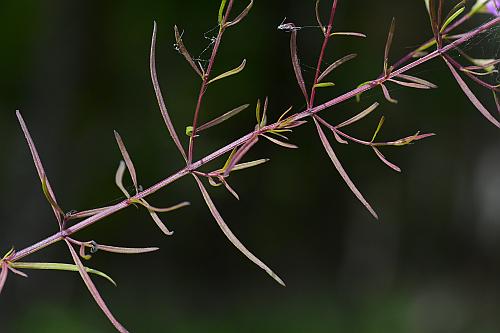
(398, 73)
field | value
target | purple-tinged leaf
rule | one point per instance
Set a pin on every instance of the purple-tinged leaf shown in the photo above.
(59, 267)
(240, 153)
(128, 160)
(231, 72)
(359, 116)
(160, 223)
(417, 80)
(348, 33)
(3, 274)
(18, 272)
(336, 64)
(230, 189)
(93, 290)
(471, 95)
(229, 234)
(38, 165)
(404, 141)
(387, 95)
(280, 143)
(126, 250)
(410, 84)
(182, 49)
(159, 97)
(296, 65)
(50, 198)
(87, 213)
(388, 45)
(318, 17)
(161, 210)
(383, 159)
(119, 178)
(341, 170)
(222, 118)
(339, 139)
(497, 103)
(241, 16)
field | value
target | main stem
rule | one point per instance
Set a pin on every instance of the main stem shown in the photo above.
(220, 152)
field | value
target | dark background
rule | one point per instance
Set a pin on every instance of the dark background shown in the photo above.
(79, 69)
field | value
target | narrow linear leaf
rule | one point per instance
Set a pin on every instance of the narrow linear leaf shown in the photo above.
(388, 45)
(3, 275)
(230, 189)
(90, 212)
(379, 126)
(38, 165)
(228, 161)
(383, 159)
(221, 11)
(417, 80)
(229, 234)
(404, 141)
(126, 250)
(497, 102)
(247, 165)
(230, 73)
(128, 160)
(241, 16)
(119, 178)
(359, 116)
(160, 223)
(471, 95)
(452, 17)
(358, 96)
(222, 118)
(263, 121)
(240, 153)
(339, 139)
(387, 95)
(50, 199)
(257, 111)
(341, 170)
(162, 210)
(336, 64)
(184, 51)
(93, 290)
(318, 17)
(280, 143)
(18, 272)
(324, 85)
(159, 97)
(410, 84)
(58, 267)
(348, 33)
(296, 65)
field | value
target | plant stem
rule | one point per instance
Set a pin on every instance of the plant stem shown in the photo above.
(204, 84)
(322, 52)
(224, 150)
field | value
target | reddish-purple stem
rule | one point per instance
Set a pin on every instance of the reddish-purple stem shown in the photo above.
(224, 150)
(322, 52)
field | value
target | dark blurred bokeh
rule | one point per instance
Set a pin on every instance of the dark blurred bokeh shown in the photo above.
(79, 69)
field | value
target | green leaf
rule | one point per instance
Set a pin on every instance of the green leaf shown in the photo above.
(221, 11)
(324, 85)
(379, 126)
(58, 267)
(189, 130)
(230, 73)
(257, 111)
(452, 18)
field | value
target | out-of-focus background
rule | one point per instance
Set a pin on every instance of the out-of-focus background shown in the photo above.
(79, 69)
